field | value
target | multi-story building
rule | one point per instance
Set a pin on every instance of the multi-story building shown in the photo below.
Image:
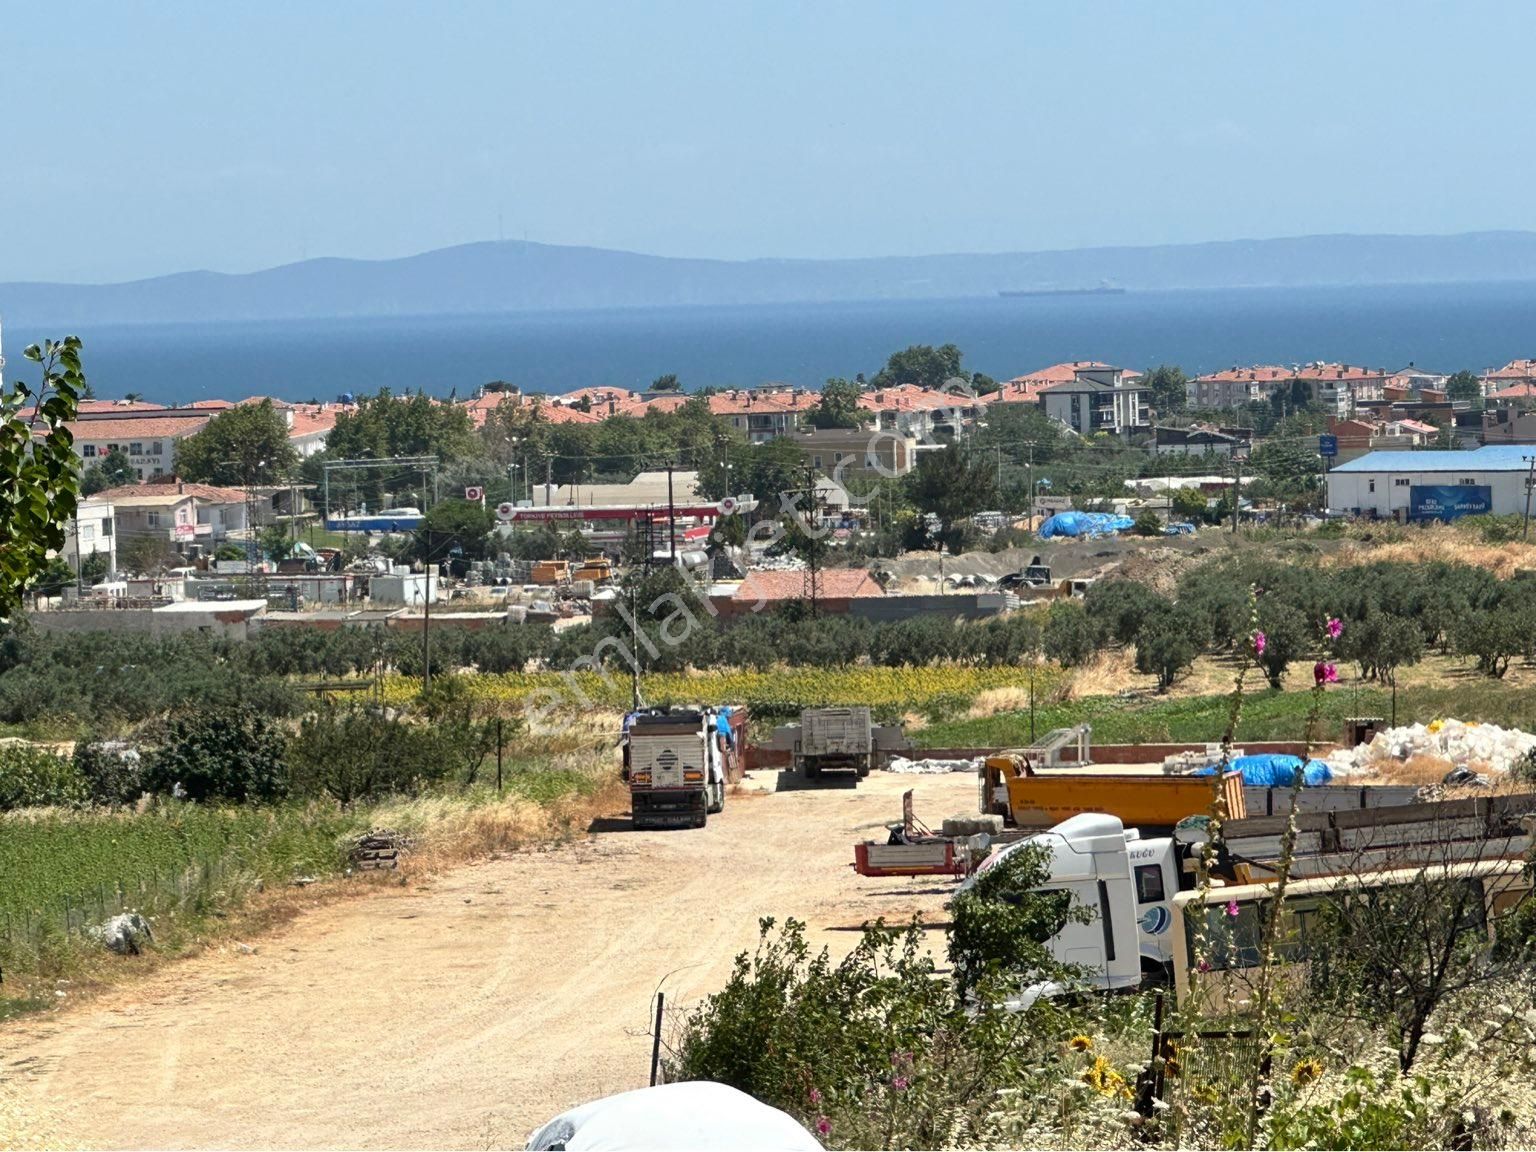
(1338, 388)
(763, 414)
(844, 453)
(91, 531)
(1098, 399)
(923, 414)
(1234, 387)
(181, 512)
(149, 436)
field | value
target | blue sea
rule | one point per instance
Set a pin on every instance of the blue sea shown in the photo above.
(1438, 327)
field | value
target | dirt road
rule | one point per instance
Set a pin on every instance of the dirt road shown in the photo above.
(465, 1012)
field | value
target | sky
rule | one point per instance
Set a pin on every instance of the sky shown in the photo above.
(143, 139)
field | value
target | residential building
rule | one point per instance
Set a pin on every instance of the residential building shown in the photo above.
(1514, 374)
(1338, 388)
(1411, 381)
(180, 512)
(1509, 425)
(763, 414)
(1432, 485)
(148, 436)
(1098, 399)
(91, 532)
(1234, 387)
(1196, 440)
(922, 414)
(853, 452)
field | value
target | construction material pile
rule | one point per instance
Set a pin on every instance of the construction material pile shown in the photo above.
(1442, 744)
(903, 766)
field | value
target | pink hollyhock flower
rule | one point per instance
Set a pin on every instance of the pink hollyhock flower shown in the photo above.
(815, 1095)
(1335, 627)
(1260, 642)
(1204, 966)
(823, 1126)
(900, 1083)
(1325, 673)
(1232, 908)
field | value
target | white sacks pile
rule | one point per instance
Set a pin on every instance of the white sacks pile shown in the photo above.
(900, 764)
(1483, 747)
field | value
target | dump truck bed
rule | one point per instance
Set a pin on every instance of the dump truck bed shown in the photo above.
(1042, 800)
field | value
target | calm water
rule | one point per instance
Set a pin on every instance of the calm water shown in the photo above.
(1439, 327)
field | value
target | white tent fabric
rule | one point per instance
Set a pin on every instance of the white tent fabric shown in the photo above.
(694, 1115)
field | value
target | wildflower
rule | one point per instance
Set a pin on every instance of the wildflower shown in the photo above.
(1325, 673)
(1260, 642)
(1335, 627)
(1203, 966)
(1232, 908)
(823, 1126)
(900, 1083)
(815, 1096)
(1103, 1078)
(1080, 1043)
(1304, 1072)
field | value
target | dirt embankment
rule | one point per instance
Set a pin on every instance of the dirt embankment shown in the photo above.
(465, 1010)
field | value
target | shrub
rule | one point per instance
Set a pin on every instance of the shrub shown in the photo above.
(1070, 637)
(111, 772)
(1001, 925)
(1166, 646)
(33, 777)
(221, 755)
(1148, 523)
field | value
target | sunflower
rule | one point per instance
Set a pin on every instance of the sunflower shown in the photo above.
(1081, 1043)
(1304, 1072)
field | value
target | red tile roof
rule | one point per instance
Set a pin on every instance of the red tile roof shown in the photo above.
(1259, 373)
(93, 406)
(1514, 370)
(1321, 370)
(1062, 373)
(836, 584)
(1514, 392)
(172, 424)
(125, 493)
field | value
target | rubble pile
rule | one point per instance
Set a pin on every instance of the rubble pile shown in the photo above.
(1484, 747)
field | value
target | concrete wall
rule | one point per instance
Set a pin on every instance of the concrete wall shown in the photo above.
(219, 620)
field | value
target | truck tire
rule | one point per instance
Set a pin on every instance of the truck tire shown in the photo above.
(812, 770)
(716, 798)
(701, 819)
(864, 767)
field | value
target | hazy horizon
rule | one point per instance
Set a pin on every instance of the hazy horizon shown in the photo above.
(235, 138)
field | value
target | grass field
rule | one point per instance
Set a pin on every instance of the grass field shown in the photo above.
(1266, 714)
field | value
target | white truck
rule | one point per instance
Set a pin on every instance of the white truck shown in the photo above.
(678, 763)
(836, 740)
(1126, 883)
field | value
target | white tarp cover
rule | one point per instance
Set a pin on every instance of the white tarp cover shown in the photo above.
(691, 1115)
(905, 767)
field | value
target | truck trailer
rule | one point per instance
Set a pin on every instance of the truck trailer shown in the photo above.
(835, 740)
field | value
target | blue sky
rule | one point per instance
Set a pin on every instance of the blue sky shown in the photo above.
(141, 139)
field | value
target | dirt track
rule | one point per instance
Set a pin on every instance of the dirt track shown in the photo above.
(465, 1012)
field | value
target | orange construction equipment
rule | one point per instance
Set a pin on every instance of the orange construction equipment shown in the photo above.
(551, 572)
(1031, 799)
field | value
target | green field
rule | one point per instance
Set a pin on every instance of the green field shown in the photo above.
(1266, 715)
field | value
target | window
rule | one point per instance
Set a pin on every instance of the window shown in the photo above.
(106, 528)
(1402, 482)
(1149, 884)
(152, 519)
(1370, 485)
(88, 451)
(136, 448)
(816, 461)
(157, 448)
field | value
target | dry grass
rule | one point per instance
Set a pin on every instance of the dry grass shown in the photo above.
(997, 700)
(1108, 673)
(1443, 543)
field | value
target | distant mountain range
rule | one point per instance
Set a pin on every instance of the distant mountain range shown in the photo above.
(514, 276)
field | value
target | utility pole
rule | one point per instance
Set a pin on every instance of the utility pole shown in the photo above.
(635, 701)
(1237, 490)
(426, 608)
(671, 519)
(1530, 479)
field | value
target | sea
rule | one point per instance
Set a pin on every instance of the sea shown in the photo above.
(1437, 327)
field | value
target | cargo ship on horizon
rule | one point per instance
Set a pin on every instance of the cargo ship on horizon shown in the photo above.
(1101, 290)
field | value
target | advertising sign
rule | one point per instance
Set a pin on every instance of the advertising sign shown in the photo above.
(1327, 446)
(477, 494)
(1448, 501)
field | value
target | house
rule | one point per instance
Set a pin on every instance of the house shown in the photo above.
(922, 414)
(1234, 387)
(180, 512)
(148, 436)
(763, 414)
(92, 531)
(837, 589)
(849, 452)
(1098, 399)
(1509, 425)
(1514, 374)
(1410, 381)
(1338, 388)
(1196, 440)
(309, 426)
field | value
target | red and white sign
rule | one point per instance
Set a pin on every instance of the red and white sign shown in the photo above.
(728, 505)
(475, 494)
(185, 531)
(505, 511)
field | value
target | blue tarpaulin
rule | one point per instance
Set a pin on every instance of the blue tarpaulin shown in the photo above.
(1275, 770)
(1084, 524)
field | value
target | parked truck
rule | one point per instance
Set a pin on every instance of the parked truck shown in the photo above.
(678, 763)
(1014, 789)
(835, 740)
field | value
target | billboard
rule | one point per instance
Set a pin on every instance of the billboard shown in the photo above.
(1448, 501)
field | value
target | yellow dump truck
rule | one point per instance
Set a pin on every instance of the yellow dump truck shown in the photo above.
(1012, 788)
(551, 572)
